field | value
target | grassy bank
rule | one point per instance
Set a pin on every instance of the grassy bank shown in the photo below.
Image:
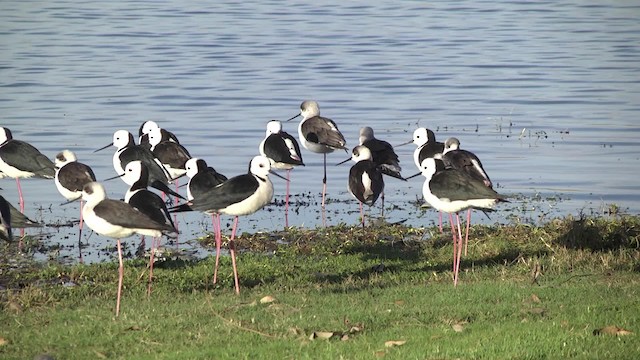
(567, 289)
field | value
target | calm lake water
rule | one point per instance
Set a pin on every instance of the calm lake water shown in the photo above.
(547, 94)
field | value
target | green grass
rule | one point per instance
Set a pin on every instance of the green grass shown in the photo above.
(525, 292)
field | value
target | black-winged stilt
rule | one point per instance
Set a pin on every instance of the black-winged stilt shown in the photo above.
(128, 151)
(117, 219)
(171, 154)
(451, 191)
(5, 220)
(468, 162)
(70, 178)
(382, 154)
(319, 134)
(201, 178)
(283, 152)
(365, 178)
(240, 195)
(145, 129)
(19, 159)
(147, 202)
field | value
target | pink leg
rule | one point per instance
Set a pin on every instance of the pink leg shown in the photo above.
(286, 202)
(455, 281)
(153, 252)
(175, 215)
(324, 180)
(232, 249)
(20, 195)
(21, 208)
(453, 232)
(440, 222)
(466, 238)
(80, 232)
(362, 214)
(215, 218)
(120, 278)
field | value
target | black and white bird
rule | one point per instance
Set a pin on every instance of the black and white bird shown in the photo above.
(319, 135)
(283, 152)
(128, 151)
(240, 195)
(171, 154)
(5, 220)
(19, 159)
(466, 161)
(365, 178)
(147, 127)
(70, 178)
(147, 202)
(427, 146)
(382, 154)
(451, 191)
(117, 219)
(12, 218)
(201, 178)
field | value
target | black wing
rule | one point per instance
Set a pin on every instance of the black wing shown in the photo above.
(319, 130)
(76, 175)
(122, 214)
(457, 185)
(228, 193)
(24, 156)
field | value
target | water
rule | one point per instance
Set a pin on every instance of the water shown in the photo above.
(545, 93)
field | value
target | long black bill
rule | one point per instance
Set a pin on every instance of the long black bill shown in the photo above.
(114, 177)
(293, 117)
(404, 143)
(278, 175)
(412, 176)
(104, 147)
(343, 161)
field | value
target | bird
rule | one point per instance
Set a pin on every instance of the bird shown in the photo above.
(117, 219)
(12, 218)
(427, 147)
(147, 202)
(128, 151)
(70, 178)
(171, 154)
(283, 152)
(450, 190)
(146, 127)
(365, 178)
(19, 159)
(466, 161)
(319, 134)
(201, 177)
(383, 155)
(5, 220)
(240, 195)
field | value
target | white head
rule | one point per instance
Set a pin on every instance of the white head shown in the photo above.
(430, 166)
(451, 144)
(366, 133)
(309, 109)
(64, 157)
(422, 136)
(274, 127)
(132, 172)
(148, 126)
(260, 166)
(155, 136)
(192, 167)
(121, 138)
(361, 153)
(93, 193)
(5, 134)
